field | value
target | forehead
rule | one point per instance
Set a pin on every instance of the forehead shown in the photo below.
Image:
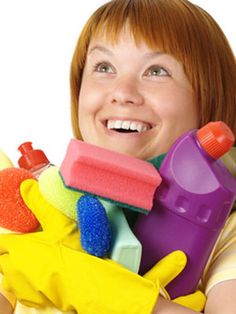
(126, 48)
(125, 38)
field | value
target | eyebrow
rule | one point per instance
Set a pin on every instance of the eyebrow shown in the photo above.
(100, 48)
(147, 55)
(154, 54)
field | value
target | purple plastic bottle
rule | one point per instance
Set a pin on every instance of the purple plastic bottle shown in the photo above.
(190, 206)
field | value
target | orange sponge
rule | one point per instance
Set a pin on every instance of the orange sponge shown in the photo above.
(14, 214)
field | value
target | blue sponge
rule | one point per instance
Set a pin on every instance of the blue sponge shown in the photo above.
(95, 231)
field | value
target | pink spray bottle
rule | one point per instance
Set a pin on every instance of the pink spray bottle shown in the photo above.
(190, 206)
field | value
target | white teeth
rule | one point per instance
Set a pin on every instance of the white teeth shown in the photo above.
(125, 125)
(140, 127)
(128, 125)
(133, 126)
(117, 124)
(110, 124)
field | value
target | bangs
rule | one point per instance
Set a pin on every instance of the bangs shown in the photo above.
(163, 25)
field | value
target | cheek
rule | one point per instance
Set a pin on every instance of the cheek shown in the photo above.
(179, 104)
(90, 103)
(89, 99)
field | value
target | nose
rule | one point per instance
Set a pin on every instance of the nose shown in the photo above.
(126, 91)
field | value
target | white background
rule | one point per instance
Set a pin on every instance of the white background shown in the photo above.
(37, 39)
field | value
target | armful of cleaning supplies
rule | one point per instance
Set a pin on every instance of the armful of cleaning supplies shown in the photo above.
(48, 267)
(111, 181)
(72, 242)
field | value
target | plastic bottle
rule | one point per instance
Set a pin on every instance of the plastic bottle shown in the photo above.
(190, 206)
(33, 160)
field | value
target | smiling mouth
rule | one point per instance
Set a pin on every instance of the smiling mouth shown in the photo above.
(127, 126)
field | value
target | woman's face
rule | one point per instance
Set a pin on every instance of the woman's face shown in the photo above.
(134, 100)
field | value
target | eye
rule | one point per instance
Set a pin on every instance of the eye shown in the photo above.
(156, 70)
(103, 67)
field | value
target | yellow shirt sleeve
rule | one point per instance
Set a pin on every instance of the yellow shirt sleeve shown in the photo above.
(222, 264)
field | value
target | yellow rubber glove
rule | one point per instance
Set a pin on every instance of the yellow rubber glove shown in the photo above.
(195, 301)
(46, 268)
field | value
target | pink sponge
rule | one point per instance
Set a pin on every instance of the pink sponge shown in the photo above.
(14, 214)
(126, 180)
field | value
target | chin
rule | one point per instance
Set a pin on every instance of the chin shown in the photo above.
(127, 150)
(131, 152)
(121, 150)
